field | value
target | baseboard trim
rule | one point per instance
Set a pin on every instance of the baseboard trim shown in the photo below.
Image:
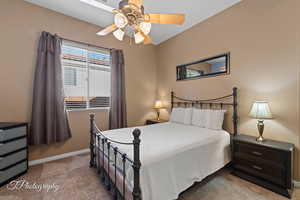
(297, 184)
(57, 157)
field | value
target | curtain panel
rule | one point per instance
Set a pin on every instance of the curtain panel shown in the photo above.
(118, 115)
(49, 122)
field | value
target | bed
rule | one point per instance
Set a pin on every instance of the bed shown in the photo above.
(161, 160)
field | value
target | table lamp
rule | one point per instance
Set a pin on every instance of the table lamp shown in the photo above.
(158, 105)
(260, 110)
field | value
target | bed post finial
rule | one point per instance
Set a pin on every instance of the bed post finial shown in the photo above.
(92, 141)
(235, 114)
(92, 116)
(136, 193)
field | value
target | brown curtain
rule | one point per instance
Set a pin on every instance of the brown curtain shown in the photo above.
(118, 115)
(49, 122)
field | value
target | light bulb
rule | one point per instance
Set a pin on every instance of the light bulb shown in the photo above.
(119, 34)
(120, 20)
(145, 27)
(138, 37)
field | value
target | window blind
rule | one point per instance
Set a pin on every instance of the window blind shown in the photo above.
(86, 76)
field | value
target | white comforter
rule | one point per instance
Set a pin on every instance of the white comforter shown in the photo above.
(174, 156)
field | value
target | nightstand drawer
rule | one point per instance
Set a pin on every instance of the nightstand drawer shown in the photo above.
(271, 173)
(264, 153)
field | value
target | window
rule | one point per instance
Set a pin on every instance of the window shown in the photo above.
(70, 76)
(86, 76)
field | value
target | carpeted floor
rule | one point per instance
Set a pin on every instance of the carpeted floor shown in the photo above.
(74, 180)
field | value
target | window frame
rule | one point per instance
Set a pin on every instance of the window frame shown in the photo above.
(87, 48)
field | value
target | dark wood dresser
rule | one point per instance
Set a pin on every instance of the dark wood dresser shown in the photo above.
(268, 164)
(13, 151)
(155, 121)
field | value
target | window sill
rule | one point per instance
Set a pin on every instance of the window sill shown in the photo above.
(87, 109)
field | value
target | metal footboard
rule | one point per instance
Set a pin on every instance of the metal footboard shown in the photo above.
(104, 154)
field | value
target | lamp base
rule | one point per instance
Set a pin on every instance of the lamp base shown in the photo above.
(260, 138)
(158, 115)
(260, 127)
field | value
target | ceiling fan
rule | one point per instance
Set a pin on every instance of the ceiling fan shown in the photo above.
(130, 18)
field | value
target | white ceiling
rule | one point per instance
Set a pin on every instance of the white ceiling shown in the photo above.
(196, 11)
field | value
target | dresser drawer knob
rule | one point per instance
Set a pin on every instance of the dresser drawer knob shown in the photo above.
(256, 167)
(256, 153)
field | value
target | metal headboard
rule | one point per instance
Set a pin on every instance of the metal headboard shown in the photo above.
(212, 103)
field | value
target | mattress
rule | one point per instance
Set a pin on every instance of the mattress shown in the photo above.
(174, 156)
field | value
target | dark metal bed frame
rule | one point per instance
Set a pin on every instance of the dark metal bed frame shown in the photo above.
(105, 143)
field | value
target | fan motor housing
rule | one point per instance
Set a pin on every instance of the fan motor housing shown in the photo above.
(133, 13)
(123, 3)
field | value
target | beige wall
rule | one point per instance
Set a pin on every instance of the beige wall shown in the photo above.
(263, 38)
(21, 25)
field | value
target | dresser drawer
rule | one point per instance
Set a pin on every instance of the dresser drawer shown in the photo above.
(12, 133)
(13, 171)
(269, 154)
(268, 172)
(14, 145)
(12, 158)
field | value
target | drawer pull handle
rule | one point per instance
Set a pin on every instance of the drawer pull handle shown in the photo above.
(256, 153)
(256, 167)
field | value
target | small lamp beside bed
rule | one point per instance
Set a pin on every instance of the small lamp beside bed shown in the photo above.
(158, 105)
(260, 110)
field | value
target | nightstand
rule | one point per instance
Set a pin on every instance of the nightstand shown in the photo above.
(268, 164)
(155, 121)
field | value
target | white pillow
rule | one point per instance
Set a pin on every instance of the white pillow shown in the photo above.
(181, 115)
(188, 116)
(215, 119)
(199, 117)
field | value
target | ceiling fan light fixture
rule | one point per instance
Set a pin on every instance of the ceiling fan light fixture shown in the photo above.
(119, 34)
(145, 27)
(131, 19)
(120, 20)
(138, 37)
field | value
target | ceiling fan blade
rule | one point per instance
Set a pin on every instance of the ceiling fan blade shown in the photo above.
(99, 5)
(107, 30)
(165, 18)
(139, 3)
(147, 40)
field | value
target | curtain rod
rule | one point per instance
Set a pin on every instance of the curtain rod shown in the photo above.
(87, 44)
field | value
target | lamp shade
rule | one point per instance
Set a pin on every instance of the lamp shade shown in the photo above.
(138, 37)
(119, 34)
(158, 105)
(260, 110)
(145, 27)
(120, 20)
